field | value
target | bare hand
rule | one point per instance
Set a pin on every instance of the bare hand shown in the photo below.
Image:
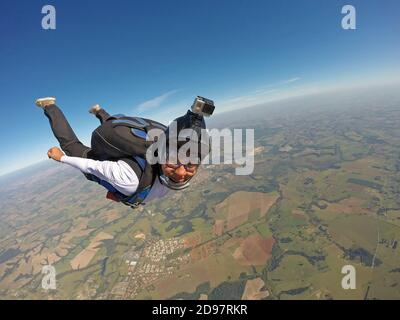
(55, 153)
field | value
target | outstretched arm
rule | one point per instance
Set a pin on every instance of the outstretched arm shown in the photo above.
(118, 173)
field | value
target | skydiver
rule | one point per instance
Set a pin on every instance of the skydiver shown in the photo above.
(117, 156)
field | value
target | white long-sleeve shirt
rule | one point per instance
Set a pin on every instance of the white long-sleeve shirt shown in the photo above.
(117, 173)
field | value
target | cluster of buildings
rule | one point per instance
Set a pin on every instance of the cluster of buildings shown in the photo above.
(149, 265)
(132, 258)
(389, 243)
(159, 250)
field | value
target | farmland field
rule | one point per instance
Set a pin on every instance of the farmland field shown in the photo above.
(324, 193)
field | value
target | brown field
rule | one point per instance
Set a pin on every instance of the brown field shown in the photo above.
(60, 187)
(202, 252)
(256, 151)
(32, 263)
(252, 290)
(231, 244)
(140, 236)
(80, 229)
(23, 231)
(86, 255)
(356, 187)
(285, 148)
(219, 227)
(214, 269)
(254, 251)
(192, 240)
(299, 214)
(111, 215)
(362, 166)
(350, 205)
(239, 204)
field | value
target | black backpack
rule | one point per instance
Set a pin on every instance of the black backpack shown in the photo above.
(124, 138)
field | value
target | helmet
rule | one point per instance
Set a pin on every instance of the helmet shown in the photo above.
(192, 121)
(195, 122)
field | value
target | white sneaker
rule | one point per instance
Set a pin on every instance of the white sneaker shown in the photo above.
(96, 108)
(42, 102)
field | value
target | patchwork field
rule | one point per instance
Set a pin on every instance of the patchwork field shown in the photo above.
(87, 254)
(324, 194)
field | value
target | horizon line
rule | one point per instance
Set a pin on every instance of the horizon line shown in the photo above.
(325, 89)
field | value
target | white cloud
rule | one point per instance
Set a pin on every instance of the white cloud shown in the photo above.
(281, 92)
(291, 80)
(168, 113)
(267, 93)
(155, 102)
(281, 83)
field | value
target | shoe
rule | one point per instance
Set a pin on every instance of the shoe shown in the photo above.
(43, 102)
(95, 109)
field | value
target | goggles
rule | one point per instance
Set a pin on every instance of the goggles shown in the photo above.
(190, 167)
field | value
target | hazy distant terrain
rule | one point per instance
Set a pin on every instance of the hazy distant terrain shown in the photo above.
(325, 193)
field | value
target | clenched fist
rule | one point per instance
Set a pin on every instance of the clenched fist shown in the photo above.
(55, 153)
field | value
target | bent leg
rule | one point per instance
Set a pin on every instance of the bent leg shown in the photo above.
(103, 115)
(69, 142)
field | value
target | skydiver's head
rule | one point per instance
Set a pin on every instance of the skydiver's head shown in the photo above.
(176, 173)
(179, 173)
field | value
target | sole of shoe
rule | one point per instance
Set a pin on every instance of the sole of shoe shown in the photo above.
(93, 110)
(42, 102)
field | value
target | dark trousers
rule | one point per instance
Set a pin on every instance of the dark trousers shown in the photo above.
(69, 142)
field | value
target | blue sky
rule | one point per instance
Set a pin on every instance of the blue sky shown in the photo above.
(151, 58)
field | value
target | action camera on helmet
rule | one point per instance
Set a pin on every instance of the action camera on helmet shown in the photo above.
(202, 106)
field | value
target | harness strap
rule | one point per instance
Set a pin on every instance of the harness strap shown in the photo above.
(137, 198)
(145, 172)
(141, 162)
(113, 194)
(131, 123)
